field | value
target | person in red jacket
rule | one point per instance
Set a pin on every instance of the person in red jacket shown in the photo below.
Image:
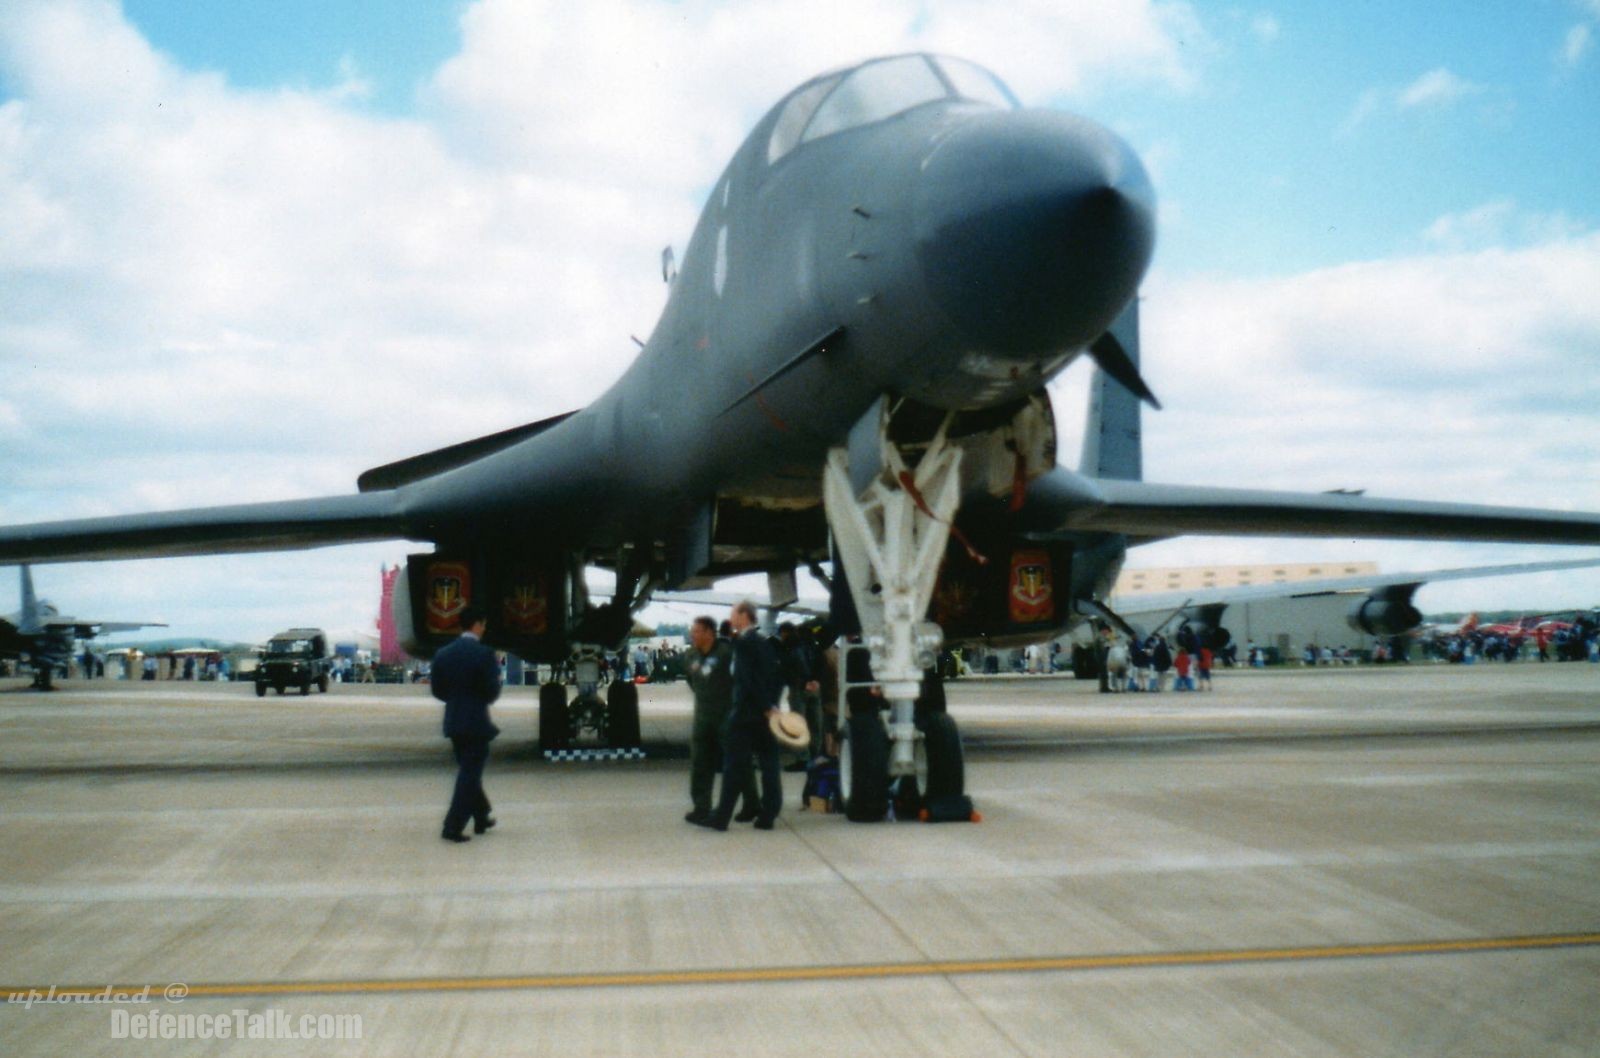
(1181, 664)
(1205, 669)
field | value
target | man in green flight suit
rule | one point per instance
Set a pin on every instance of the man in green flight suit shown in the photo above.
(710, 673)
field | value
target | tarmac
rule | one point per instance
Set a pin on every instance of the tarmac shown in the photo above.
(1376, 861)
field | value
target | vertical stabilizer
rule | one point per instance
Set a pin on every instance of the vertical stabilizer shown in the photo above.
(28, 619)
(1112, 447)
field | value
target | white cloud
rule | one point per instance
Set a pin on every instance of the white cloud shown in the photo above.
(1575, 45)
(1365, 106)
(218, 295)
(1499, 223)
(1265, 27)
(1454, 376)
(1438, 87)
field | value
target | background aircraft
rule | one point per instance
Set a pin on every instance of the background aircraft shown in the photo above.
(46, 636)
(1381, 605)
(850, 368)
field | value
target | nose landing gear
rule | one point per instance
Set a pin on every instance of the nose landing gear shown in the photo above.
(890, 525)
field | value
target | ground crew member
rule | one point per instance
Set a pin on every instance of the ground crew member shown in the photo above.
(466, 678)
(710, 674)
(757, 685)
(800, 674)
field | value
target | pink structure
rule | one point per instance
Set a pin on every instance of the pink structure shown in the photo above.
(389, 652)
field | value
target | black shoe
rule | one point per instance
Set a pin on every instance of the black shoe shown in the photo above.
(709, 823)
(765, 824)
(799, 765)
(456, 836)
(696, 816)
(479, 828)
(746, 816)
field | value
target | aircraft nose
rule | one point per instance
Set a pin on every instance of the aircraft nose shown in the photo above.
(1033, 230)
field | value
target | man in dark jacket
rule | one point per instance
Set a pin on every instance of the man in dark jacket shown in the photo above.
(466, 678)
(710, 675)
(757, 685)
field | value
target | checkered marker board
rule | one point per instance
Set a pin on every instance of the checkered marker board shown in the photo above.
(635, 753)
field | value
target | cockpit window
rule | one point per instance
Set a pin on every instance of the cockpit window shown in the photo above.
(792, 122)
(874, 92)
(976, 83)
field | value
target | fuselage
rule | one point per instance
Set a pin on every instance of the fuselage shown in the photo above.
(959, 250)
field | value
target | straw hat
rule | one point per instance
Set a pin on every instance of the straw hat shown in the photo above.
(790, 730)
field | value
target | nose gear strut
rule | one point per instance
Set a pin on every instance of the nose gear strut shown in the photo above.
(891, 522)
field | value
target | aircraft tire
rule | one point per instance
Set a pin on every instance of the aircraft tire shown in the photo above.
(622, 715)
(941, 744)
(865, 756)
(555, 728)
(322, 685)
(931, 700)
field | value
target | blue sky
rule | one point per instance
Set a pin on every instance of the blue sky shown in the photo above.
(267, 44)
(1378, 263)
(1276, 160)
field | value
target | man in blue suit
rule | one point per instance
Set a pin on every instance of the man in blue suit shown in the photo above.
(466, 678)
(757, 683)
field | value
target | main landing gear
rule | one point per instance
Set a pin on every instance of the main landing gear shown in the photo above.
(890, 525)
(614, 718)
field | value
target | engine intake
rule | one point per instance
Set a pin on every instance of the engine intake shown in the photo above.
(1384, 617)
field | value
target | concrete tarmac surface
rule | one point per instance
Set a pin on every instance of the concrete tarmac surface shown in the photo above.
(1378, 861)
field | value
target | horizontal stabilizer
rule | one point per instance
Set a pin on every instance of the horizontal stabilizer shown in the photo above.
(1115, 361)
(415, 468)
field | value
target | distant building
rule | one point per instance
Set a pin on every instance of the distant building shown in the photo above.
(1194, 578)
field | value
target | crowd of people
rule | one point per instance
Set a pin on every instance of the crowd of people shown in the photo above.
(1577, 641)
(1153, 664)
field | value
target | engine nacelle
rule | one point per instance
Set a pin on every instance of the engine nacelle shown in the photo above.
(1196, 632)
(1021, 594)
(525, 601)
(1384, 617)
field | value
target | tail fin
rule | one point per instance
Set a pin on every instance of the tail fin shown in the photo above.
(1112, 446)
(28, 620)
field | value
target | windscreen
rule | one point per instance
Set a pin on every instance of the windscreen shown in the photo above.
(874, 92)
(976, 83)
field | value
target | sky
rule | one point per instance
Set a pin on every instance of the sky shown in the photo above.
(249, 250)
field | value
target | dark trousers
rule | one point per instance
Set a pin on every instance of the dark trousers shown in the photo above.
(468, 801)
(706, 760)
(740, 741)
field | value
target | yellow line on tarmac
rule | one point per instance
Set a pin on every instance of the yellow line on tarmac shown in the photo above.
(753, 975)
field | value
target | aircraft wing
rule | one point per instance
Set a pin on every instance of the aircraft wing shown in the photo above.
(1142, 509)
(283, 525)
(99, 628)
(803, 607)
(1147, 603)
